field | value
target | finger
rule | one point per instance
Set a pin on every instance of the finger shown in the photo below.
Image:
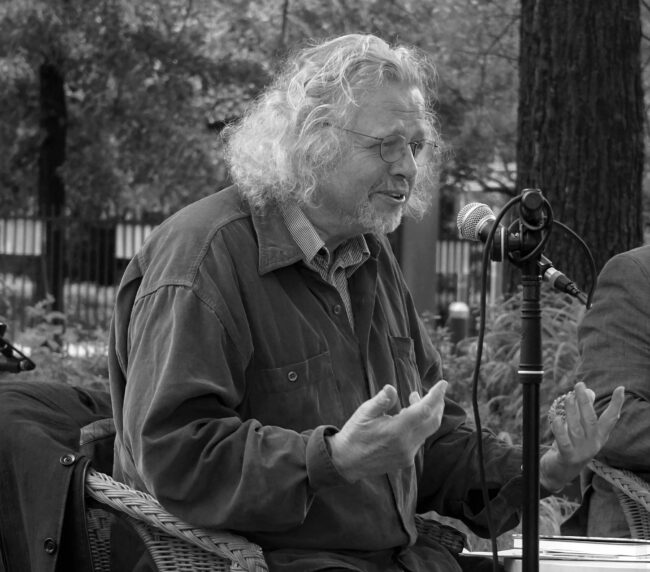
(574, 427)
(414, 397)
(585, 402)
(378, 405)
(560, 433)
(432, 404)
(436, 393)
(610, 416)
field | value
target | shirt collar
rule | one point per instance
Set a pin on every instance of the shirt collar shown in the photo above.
(302, 231)
(351, 253)
(277, 246)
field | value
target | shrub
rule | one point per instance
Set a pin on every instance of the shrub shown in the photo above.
(500, 391)
(62, 350)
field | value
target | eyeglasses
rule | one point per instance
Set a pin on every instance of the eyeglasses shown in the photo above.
(393, 147)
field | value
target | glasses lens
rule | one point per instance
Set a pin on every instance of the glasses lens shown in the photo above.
(392, 148)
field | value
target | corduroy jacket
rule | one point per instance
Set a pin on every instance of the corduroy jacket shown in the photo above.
(231, 361)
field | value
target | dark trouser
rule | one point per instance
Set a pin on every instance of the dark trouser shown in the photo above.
(129, 554)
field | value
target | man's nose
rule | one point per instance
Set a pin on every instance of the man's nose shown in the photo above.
(406, 166)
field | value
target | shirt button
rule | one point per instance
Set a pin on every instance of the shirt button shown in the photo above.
(49, 545)
(67, 460)
(337, 309)
(292, 376)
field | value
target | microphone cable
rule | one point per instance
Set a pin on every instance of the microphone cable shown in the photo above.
(590, 257)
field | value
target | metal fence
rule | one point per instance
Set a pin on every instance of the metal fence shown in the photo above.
(459, 275)
(90, 258)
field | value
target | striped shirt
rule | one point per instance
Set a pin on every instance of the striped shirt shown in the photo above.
(334, 268)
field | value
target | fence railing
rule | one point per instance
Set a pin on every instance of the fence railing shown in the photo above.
(90, 258)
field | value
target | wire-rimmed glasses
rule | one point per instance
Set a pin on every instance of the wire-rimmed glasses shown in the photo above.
(393, 147)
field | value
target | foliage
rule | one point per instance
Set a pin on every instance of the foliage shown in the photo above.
(150, 84)
(141, 84)
(500, 391)
(63, 351)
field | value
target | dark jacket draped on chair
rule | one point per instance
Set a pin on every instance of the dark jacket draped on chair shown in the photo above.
(42, 470)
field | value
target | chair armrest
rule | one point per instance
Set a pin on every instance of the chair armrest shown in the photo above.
(632, 485)
(430, 530)
(145, 508)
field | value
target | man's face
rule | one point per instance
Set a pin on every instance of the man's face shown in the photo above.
(365, 193)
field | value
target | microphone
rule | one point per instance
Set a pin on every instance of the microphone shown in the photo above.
(475, 221)
(16, 366)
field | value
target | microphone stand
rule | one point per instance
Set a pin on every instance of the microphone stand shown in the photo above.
(531, 370)
(530, 376)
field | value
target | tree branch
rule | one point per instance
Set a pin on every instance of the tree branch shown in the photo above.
(283, 31)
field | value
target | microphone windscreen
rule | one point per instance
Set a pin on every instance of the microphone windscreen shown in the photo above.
(471, 219)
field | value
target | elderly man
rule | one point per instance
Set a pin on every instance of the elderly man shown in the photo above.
(269, 371)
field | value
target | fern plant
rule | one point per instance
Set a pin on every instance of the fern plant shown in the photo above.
(500, 391)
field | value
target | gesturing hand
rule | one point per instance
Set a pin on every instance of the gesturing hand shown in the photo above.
(579, 435)
(372, 442)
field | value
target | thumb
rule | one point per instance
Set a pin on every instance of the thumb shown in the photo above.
(380, 404)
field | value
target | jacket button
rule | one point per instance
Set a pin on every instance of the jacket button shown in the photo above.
(67, 460)
(292, 376)
(337, 309)
(49, 545)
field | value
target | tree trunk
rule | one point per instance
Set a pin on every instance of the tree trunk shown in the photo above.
(51, 190)
(580, 125)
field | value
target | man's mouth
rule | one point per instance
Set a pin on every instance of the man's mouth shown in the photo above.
(396, 196)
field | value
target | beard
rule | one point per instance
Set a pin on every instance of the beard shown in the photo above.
(374, 221)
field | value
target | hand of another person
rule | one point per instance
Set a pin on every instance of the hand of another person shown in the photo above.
(579, 435)
(373, 442)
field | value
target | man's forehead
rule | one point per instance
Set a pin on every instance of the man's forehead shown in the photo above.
(403, 102)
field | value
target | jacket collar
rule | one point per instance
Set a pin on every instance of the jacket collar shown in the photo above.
(277, 247)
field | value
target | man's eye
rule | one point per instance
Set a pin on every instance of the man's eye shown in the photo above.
(416, 147)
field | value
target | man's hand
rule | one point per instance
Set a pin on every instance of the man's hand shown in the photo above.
(372, 442)
(579, 435)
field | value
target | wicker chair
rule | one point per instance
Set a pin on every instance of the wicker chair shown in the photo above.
(633, 494)
(174, 545)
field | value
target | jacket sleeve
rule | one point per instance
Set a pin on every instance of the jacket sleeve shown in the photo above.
(180, 411)
(614, 344)
(450, 481)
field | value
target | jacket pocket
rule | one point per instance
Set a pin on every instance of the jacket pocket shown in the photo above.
(297, 396)
(407, 375)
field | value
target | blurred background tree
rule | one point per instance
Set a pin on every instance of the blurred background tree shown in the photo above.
(137, 93)
(581, 124)
(144, 84)
(147, 86)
